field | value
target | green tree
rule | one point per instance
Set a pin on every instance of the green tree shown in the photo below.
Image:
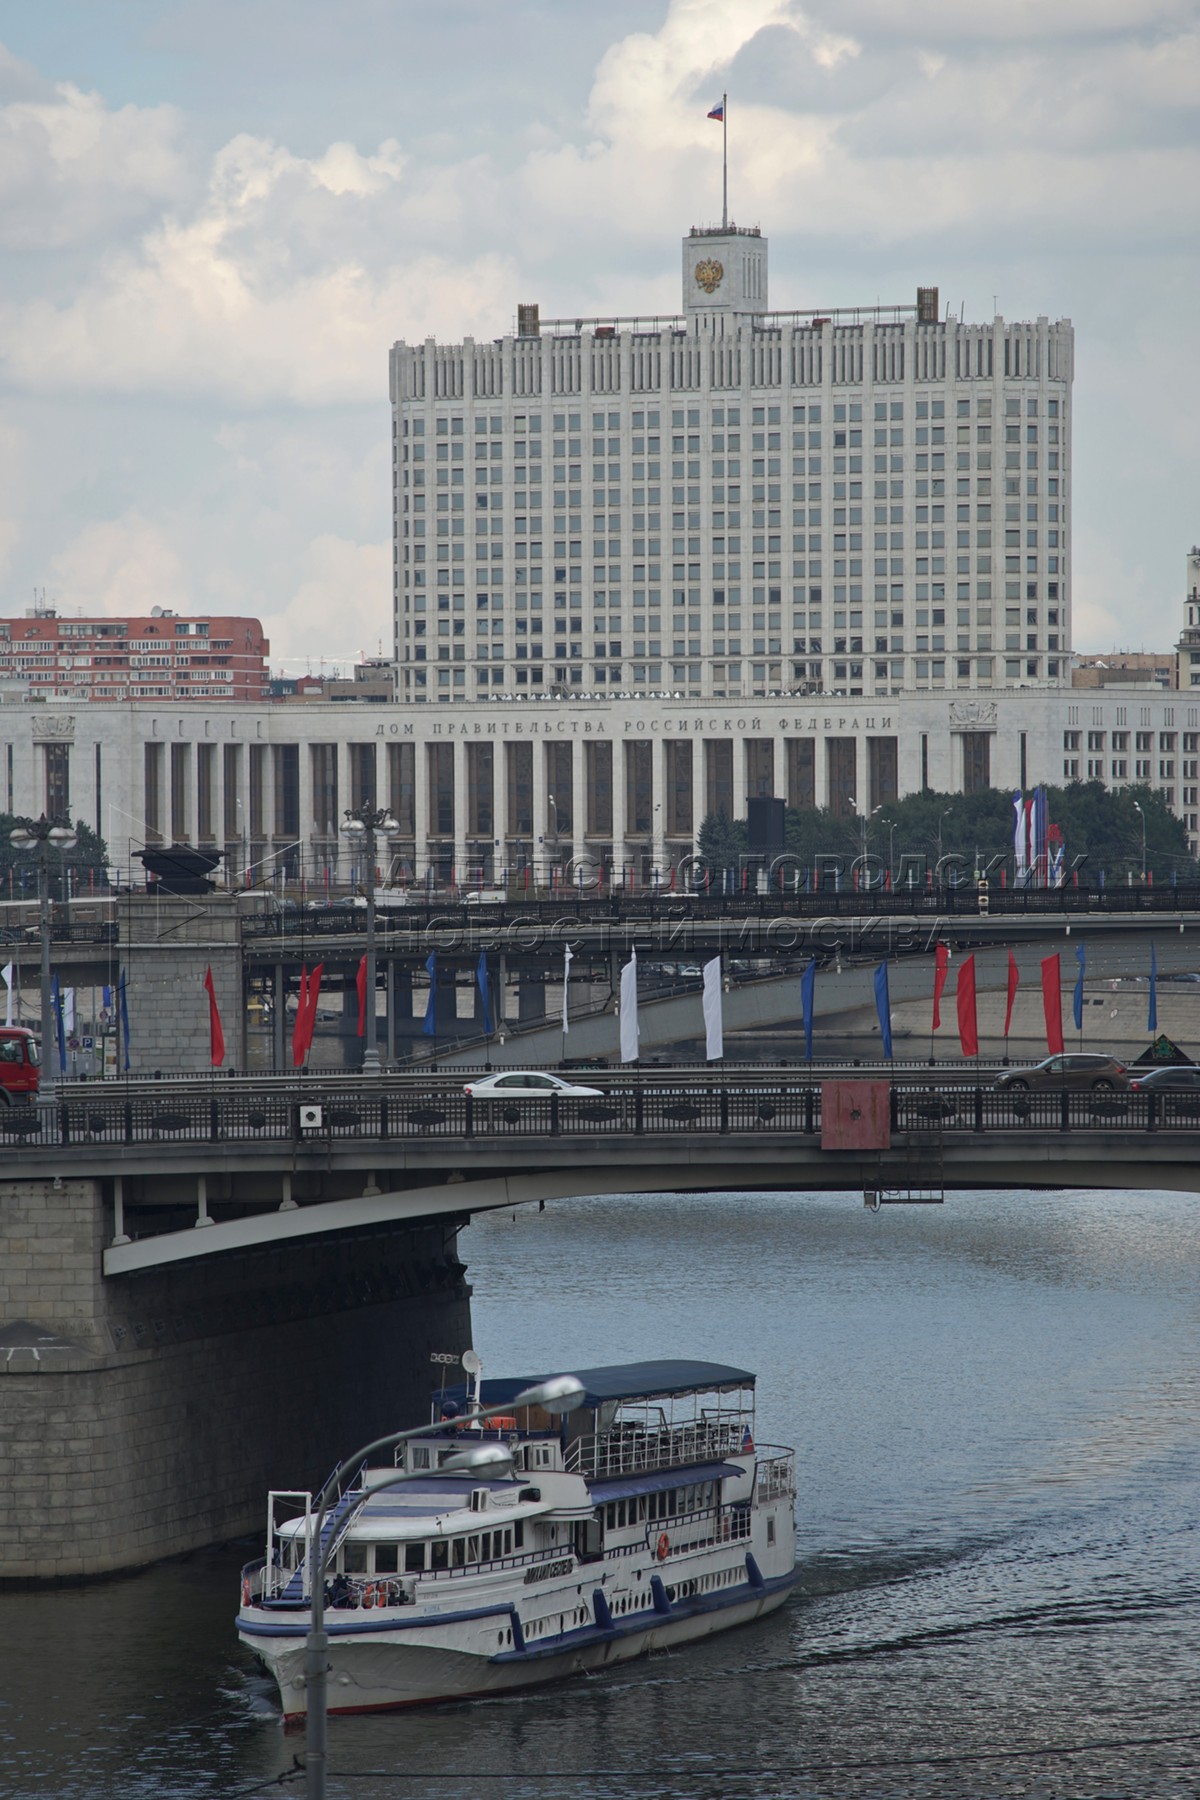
(87, 863)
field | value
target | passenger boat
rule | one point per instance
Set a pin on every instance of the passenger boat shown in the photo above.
(645, 1517)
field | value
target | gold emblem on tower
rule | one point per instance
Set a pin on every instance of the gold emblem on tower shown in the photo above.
(709, 274)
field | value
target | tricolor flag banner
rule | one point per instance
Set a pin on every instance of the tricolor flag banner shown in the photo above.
(1020, 840)
(718, 112)
(808, 983)
(568, 954)
(714, 1023)
(1152, 1015)
(7, 972)
(306, 1015)
(629, 1010)
(216, 1037)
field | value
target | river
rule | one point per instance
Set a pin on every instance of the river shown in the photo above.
(996, 1406)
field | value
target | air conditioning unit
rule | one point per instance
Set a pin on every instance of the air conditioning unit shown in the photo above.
(311, 1118)
(479, 1499)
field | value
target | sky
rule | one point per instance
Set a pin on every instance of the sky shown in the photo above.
(216, 216)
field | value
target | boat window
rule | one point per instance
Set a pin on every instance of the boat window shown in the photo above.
(770, 1530)
(473, 1549)
(519, 1533)
(460, 1552)
(414, 1558)
(508, 1541)
(354, 1559)
(387, 1559)
(440, 1555)
(419, 1456)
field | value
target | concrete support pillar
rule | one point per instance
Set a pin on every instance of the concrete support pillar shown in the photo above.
(279, 1018)
(531, 997)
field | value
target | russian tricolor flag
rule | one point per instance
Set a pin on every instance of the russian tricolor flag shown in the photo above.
(718, 111)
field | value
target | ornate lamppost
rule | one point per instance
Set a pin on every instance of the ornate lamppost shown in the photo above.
(360, 825)
(37, 840)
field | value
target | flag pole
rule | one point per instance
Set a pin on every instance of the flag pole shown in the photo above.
(724, 162)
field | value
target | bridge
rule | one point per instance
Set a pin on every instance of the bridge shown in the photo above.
(219, 1283)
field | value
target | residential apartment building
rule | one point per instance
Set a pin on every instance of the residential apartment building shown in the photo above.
(732, 502)
(163, 657)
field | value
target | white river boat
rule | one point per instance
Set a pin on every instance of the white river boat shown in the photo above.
(643, 1519)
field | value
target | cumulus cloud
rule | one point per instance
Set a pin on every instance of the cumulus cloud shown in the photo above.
(1048, 152)
(123, 565)
(73, 168)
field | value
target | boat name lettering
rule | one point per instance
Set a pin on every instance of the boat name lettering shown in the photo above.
(544, 1571)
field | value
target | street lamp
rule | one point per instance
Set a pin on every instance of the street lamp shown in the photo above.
(554, 808)
(360, 825)
(38, 840)
(891, 830)
(864, 819)
(1141, 815)
(558, 1394)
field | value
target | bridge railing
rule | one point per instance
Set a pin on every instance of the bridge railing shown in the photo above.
(662, 1103)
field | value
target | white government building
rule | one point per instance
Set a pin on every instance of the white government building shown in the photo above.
(646, 569)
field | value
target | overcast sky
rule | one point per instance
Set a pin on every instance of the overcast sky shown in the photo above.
(217, 215)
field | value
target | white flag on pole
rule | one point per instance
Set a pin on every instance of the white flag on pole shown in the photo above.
(7, 972)
(68, 1006)
(629, 1018)
(713, 1020)
(567, 955)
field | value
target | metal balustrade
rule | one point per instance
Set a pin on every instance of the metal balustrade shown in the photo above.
(684, 1103)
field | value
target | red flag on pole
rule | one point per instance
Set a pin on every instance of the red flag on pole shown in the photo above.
(968, 1030)
(216, 1037)
(1014, 981)
(298, 1027)
(310, 1010)
(941, 965)
(1052, 1003)
(360, 982)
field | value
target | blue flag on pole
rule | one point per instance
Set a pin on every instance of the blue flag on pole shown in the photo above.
(808, 983)
(124, 1016)
(1081, 959)
(60, 1036)
(430, 1025)
(883, 1008)
(481, 976)
(1152, 1020)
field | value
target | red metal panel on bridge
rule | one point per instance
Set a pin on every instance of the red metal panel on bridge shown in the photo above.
(856, 1115)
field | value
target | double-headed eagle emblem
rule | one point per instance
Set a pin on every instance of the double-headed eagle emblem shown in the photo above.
(709, 274)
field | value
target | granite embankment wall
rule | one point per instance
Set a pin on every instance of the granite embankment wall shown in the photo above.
(144, 1416)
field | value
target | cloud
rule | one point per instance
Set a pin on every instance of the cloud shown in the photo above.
(339, 609)
(115, 566)
(72, 168)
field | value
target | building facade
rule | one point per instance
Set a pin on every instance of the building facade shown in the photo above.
(620, 784)
(734, 503)
(163, 657)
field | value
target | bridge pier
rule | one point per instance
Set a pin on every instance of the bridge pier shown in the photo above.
(142, 1416)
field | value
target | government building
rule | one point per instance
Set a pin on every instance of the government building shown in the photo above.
(648, 569)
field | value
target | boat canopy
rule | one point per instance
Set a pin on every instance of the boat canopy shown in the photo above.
(620, 1381)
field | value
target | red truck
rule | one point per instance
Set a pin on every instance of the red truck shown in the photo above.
(20, 1060)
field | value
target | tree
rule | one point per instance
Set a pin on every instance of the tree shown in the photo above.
(87, 863)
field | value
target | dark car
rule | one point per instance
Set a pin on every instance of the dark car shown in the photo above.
(1184, 1080)
(1075, 1069)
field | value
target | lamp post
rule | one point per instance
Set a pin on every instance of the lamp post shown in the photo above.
(558, 1394)
(891, 830)
(39, 839)
(553, 803)
(1141, 815)
(360, 825)
(864, 819)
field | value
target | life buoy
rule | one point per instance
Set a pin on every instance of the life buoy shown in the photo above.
(663, 1549)
(245, 1590)
(368, 1598)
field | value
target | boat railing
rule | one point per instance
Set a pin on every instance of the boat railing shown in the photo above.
(675, 1535)
(630, 1450)
(776, 1477)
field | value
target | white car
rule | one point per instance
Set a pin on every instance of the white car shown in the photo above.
(524, 1084)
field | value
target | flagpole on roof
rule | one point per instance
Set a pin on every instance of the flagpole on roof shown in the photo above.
(724, 162)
